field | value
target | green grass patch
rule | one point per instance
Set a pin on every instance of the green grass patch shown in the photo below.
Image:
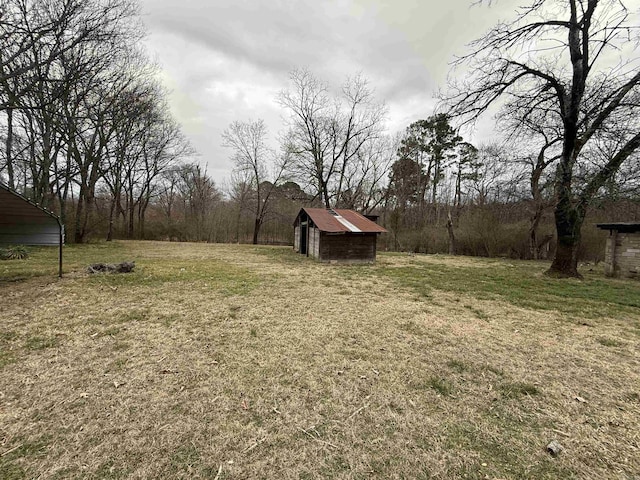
(493, 456)
(518, 389)
(6, 358)
(184, 459)
(110, 332)
(110, 470)
(214, 275)
(458, 366)
(440, 385)
(10, 469)
(43, 261)
(153, 269)
(7, 339)
(519, 283)
(8, 336)
(135, 315)
(39, 342)
(281, 254)
(481, 315)
(609, 342)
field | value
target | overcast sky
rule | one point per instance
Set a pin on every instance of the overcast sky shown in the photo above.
(226, 60)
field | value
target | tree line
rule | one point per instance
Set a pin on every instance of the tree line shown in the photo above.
(84, 115)
(88, 132)
(565, 79)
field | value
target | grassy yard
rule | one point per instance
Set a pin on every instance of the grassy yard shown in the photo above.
(221, 362)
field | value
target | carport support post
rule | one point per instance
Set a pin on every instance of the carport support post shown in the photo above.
(614, 240)
(60, 242)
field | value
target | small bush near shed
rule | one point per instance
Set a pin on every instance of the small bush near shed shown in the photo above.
(14, 252)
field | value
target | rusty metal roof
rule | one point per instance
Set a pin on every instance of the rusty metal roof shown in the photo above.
(623, 227)
(341, 221)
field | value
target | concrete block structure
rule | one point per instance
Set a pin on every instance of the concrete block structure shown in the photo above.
(622, 252)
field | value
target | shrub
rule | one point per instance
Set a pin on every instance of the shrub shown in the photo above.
(14, 252)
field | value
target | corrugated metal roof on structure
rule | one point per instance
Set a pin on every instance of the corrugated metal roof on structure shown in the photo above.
(341, 221)
(22, 222)
(623, 227)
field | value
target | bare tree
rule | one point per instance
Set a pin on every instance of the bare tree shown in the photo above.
(91, 129)
(566, 61)
(365, 178)
(146, 142)
(327, 133)
(252, 156)
(199, 196)
(240, 191)
(34, 35)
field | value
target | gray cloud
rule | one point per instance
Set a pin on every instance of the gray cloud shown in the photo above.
(226, 60)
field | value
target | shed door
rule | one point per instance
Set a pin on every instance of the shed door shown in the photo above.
(303, 237)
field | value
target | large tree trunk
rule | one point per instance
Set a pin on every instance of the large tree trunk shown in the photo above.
(452, 238)
(43, 184)
(131, 207)
(64, 191)
(238, 220)
(9, 147)
(141, 226)
(130, 223)
(110, 231)
(568, 218)
(79, 231)
(112, 211)
(86, 200)
(565, 263)
(533, 232)
(325, 195)
(568, 225)
(142, 212)
(256, 230)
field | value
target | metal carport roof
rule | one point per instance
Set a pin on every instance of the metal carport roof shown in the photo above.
(22, 222)
(622, 227)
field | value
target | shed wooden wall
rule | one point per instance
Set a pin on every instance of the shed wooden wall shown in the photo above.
(314, 242)
(622, 254)
(348, 247)
(296, 238)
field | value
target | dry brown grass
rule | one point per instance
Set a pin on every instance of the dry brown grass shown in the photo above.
(230, 362)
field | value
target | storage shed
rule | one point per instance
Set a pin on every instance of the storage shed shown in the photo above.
(622, 253)
(336, 235)
(22, 222)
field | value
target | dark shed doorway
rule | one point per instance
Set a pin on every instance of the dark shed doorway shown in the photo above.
(304, 236)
